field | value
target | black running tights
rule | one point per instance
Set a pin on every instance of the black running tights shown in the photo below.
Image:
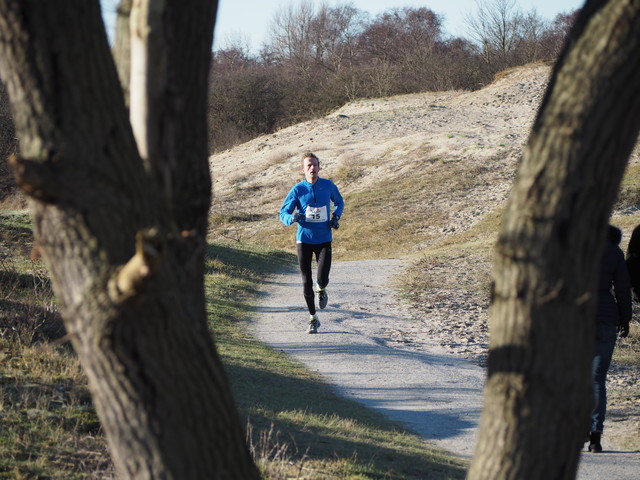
(322, 252)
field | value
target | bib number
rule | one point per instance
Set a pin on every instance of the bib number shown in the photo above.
(316, 214)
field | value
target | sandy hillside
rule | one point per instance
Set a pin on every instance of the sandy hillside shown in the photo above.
(369, 141)
(465, 146)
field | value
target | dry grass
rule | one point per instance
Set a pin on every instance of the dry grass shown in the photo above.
(401, 214)
(28, 312)
(49, 426)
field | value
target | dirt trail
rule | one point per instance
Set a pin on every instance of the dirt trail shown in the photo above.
(431, 391)
(434, 393)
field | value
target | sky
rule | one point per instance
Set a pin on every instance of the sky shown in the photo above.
(248, 21)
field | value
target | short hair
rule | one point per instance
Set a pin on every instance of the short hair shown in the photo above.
(309, 155)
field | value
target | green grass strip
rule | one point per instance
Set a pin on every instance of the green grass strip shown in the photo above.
(296, 424)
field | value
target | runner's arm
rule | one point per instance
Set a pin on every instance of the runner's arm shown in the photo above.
(288, 208)
(338, 202)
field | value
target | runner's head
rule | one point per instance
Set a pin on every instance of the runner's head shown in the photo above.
(310, 167)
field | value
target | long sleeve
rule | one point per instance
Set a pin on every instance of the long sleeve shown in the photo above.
(288, 208)
(313, 200)
(633, 266)
(338, 202)
(622, 288)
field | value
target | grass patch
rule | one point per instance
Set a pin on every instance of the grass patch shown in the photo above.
(629, 194)
(16, 227)
(295, 421)
(349, 173)
(623, 399)
(49, 426)
(397, 216)
(627, 351)
(296, 426)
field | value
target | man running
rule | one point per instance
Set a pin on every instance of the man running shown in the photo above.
(309, 204)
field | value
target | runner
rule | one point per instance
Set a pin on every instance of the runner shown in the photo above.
(309, 204)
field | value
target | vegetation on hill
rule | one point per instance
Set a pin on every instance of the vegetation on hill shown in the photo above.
(415, 169)
(319, 58)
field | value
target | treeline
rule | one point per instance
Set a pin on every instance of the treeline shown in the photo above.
(319, 57)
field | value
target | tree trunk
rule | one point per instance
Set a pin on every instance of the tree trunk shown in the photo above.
(538, 396)
(124, 236)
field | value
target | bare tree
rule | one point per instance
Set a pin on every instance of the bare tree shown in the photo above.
(400, 33)
(496, 28)
(410, 40)
(533, 29)
(538, 396)
(337, 30)
(292, 36)
(120, 200)
(554, 36)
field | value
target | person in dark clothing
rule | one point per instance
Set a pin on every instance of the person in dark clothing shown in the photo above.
(633, 262)
(612, 318)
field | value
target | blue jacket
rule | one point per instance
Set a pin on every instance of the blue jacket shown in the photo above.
(313, 200)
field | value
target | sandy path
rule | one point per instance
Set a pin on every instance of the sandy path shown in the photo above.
(432, 392)
(435, 394)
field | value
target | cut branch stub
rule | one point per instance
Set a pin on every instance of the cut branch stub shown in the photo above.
(132, 279)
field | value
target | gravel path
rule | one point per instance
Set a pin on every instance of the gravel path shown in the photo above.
(431, 391)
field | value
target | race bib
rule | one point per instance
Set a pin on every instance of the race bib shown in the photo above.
(316, 214)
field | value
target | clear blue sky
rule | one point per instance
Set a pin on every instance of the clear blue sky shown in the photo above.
(249, 20)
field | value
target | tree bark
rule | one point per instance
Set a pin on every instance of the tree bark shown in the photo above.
(538, 396)
(124, 235)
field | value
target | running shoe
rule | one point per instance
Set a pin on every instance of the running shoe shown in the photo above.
(323, 297)
(314, 324)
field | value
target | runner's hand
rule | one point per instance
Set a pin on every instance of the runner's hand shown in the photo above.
(334, 222)
(297, 217)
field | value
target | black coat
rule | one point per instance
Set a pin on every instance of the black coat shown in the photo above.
(633, 261)
(614, 285)
(633, 265)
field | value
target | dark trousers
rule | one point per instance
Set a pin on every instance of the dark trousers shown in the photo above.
(605, 342)
(306, 251)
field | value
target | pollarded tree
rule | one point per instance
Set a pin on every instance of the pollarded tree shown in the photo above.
(120, 201)
(538, 394)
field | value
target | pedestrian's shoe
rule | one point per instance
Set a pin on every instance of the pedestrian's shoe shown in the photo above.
(594, 442)
(314, 324)
(323, 297)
